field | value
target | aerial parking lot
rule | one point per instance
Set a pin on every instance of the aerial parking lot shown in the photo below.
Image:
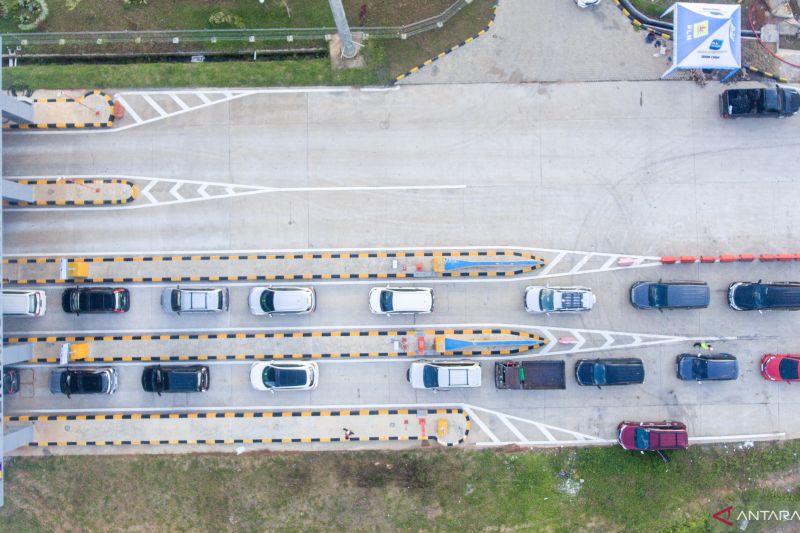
(491, 266)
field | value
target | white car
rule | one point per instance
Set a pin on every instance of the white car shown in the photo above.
(24, 303)
(444, 375)
(195, 300)
(284, 375)
(282, 300)
(400, 300)
(586, 3)
(558, 299)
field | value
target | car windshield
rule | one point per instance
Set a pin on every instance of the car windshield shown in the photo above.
(658, 295)
(176, 299)
(546, 300)
(386, 301)
(599, 374)
(642, 439)
(268, 376)
(268, 301)
(760, 296)
(700, 368)
(88, 383)
(430, 377)
(788, 369)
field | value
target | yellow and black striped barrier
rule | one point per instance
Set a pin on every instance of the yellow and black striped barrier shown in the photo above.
(538, 263)
(67, 203)
(536, 341)
(68, 125)
(243, 414)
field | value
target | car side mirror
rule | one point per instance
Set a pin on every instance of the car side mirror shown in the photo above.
(599, 387)
(272, 391)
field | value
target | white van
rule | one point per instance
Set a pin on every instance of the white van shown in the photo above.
(24, 303)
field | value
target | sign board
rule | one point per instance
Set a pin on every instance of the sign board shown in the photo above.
(63, 358)
(63, 269)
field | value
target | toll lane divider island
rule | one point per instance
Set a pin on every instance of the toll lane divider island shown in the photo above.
(450, 263)
(448, 427)
(322, 344)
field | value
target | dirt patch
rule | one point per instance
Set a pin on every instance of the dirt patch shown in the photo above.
(785, 481)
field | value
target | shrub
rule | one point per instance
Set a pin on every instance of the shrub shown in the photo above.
(225, 19)
(31, 13)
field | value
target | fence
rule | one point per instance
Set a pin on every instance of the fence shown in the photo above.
(232, 35)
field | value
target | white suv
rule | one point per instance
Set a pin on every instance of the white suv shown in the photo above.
(195, 300)
(400, 300)
(444, 375)
(558, 299)
(282, 300)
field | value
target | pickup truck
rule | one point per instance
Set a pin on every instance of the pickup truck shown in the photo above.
(529, 375)
(773, 102)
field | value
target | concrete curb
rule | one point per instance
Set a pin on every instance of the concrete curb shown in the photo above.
(70, 203)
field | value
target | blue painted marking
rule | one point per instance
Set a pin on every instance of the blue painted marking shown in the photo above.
(451, 345)
(455, 264)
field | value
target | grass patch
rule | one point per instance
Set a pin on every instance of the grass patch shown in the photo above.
(654, 8)
(108, 15)
(403, 55)
(224, 74)
(406, 491)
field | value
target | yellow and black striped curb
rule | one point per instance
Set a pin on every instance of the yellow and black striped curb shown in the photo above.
(451, 49)
(132, 197)
(68, 125)
(638, 24)
(275, 277)
(766, 74)
(244, 414)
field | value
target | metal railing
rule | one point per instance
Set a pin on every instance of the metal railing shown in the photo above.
(226, 35)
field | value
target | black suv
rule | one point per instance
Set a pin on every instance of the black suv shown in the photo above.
(175, 379)
(83, 381)
(748, 296)
(670, 294)
(601, 372)
(722, 367)
(96, 300)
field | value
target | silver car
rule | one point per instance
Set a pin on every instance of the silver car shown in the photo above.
(195, 300)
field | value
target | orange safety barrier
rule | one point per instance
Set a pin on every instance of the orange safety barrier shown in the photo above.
(708, 259)
(728, 258)
(767, 257)
(688, 259)
(667, 260)
(785, 257)
(747, 257)
(119, 111)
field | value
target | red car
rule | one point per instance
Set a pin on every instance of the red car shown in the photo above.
(775, 367)
(653, 436)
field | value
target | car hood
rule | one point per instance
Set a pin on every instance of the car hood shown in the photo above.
(532, 299)
(640, 295)
(415, 375)
(743, 295)
(626, 437)
(584, 373)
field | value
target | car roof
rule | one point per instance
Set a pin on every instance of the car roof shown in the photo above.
(687, 294)
(295, 299)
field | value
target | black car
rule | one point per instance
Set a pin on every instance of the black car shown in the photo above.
(670, 295)
(83, 381)
(721, 367)
(747, 296)
(175, 379)
(600, 372)
(10, 381)
(96, 300)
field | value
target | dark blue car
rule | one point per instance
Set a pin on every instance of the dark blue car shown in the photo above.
(721, 367)
(670, 295)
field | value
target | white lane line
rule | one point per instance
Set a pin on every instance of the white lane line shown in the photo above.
(258, 251)
(478, 422)
(146, 191)
(147, 98)
(202, 191)
(735, 438)
(203, 97)
(177, 100)
(549, 266)
(174, 192)
(548, 443)
(392, 326)
(504, 419)
(579, 265)
(129, 109)
(549, 436)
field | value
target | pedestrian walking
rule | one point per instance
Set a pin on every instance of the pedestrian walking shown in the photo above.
(347, 433)
(703, 345)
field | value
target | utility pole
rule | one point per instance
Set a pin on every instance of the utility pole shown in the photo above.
(349, 49)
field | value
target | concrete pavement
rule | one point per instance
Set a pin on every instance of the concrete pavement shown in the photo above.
(550, 41)
(640, 168)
